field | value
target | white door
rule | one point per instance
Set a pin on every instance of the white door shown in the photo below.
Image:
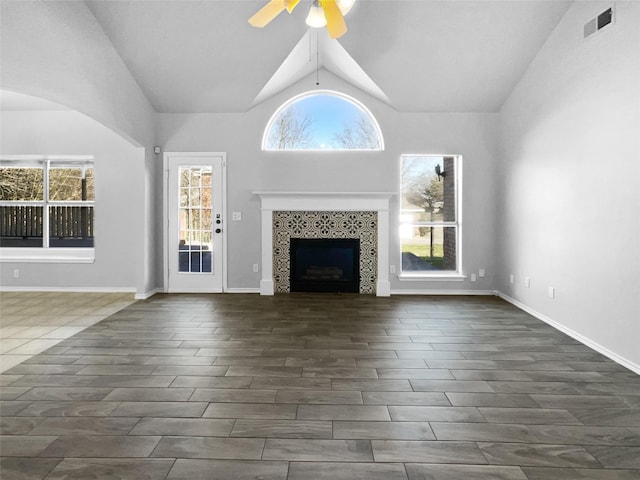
(194, 222)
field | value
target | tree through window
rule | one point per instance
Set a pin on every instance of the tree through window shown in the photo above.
(322, 121)
(46, 202)
(429, 220)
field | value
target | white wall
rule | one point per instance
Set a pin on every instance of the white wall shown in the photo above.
(57, 50)
(119, 210)
(570, 176)
(250, 169)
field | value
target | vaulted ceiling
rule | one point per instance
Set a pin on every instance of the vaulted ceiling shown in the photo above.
(192, 56)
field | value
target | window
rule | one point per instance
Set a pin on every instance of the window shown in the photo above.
(195, 219)
(46, 202)
(322, 120)
(429, 217)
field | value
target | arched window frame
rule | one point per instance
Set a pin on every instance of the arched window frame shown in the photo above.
(356, 103)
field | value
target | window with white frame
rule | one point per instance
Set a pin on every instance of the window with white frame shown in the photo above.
(322, 120)
(429, 214)
(46, 202)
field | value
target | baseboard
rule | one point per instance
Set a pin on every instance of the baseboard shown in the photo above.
(150, 293)
(573, 334)
(442, 292)
(242, 290)
(5, 288)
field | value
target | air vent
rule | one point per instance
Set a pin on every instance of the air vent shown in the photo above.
(598, 23)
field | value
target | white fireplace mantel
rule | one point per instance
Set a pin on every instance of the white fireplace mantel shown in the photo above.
(325, 201)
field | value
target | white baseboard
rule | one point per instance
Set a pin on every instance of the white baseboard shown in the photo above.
(5, 288)
(242, 290)
(150, 293)
(573, 334)
(442, 292)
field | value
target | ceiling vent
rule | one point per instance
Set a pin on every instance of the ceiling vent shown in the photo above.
(598, 22)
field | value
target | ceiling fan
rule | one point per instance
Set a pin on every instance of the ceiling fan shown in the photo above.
(322, 12)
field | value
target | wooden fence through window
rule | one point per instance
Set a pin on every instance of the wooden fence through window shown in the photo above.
(22, 221)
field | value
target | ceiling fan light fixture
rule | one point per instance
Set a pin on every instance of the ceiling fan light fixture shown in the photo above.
(345, 5)
(316, 17)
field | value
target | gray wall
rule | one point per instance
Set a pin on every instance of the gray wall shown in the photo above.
(59, 52)
(119, 211)
(250, 169)
(570, 197)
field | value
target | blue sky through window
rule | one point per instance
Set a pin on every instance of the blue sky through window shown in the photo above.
(328, 116)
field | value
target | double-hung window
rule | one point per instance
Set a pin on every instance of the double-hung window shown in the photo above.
(429, 215)
(46, 207)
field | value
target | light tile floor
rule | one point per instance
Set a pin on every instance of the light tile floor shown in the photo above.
(31, 322)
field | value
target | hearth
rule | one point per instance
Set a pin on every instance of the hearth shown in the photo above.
(325, 265)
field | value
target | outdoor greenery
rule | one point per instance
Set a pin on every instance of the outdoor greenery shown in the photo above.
(423, 251)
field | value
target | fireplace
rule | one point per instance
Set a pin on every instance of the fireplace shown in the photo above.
(325, 265)
(359, 215)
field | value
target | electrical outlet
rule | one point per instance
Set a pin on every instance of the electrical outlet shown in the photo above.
(236, 216)
(255, 268)
(552, 292)
(512, 278)
(16, 273)
(527, 282)
(473, 277)
(481, 273)
(392, 269)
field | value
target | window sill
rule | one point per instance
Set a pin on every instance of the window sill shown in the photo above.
(432, 277)
(47, 255)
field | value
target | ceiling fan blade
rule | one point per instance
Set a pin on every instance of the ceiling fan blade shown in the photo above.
(335, 21)
(267, 13)
(291, 4)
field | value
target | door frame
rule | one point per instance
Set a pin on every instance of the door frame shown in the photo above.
(165, 212)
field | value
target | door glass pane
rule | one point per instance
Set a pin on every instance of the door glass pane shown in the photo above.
(195, 217)
(426, 248)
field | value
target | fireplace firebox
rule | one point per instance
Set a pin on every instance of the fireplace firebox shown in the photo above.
(325, 265)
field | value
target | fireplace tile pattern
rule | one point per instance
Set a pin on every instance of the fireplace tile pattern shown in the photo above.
(307, 224)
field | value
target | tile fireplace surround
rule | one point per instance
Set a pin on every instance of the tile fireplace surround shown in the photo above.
(285, 203)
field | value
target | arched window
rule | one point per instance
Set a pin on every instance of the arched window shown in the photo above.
(322, 120)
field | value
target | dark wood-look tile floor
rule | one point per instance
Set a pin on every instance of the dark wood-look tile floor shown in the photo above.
(312, 387)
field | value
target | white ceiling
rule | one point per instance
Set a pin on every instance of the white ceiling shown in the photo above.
(191, 56)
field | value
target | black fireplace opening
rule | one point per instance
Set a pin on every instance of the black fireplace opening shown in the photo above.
(325, 265)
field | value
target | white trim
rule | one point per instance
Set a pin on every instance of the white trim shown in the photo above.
(145, 295)
(5, 288)
(572, 333)
(442, 292)
(47, 255)
(225, 223)
(40, 158)
(242, 290)
(436, 277)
